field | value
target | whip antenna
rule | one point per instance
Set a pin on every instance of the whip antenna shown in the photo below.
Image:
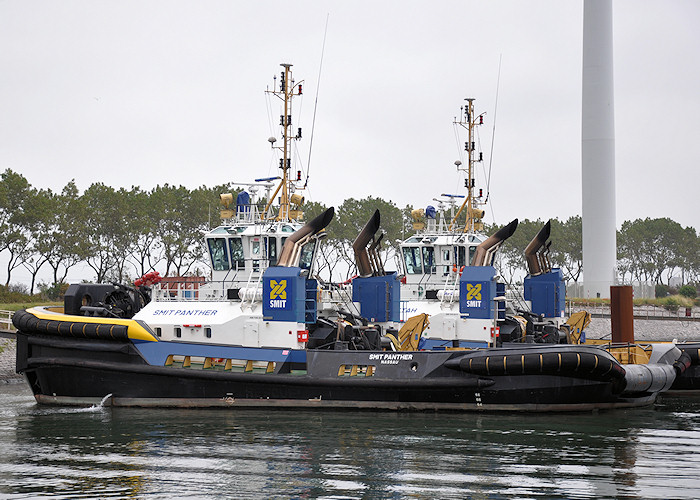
(493, 136)
(318, 85)
(493, 130)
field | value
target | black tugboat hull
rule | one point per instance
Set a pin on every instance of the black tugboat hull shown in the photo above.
(83, 372)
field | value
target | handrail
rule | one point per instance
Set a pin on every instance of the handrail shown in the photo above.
(644, 312)
(451, 289)
(252, 294)
(6, 321)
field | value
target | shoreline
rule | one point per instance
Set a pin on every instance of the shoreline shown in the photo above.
(7, 362)
(645, 330)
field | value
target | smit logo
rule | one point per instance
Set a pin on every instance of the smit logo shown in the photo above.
(278, 294)
(473, 291)
(279, 289)
(473, 295)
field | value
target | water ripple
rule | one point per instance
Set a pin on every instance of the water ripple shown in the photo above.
(116, 452)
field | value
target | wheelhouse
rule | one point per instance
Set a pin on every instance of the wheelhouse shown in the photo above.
(433, 261)
(244, 250)
(438, 255)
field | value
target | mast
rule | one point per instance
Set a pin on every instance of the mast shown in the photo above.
(473, 214)
(286, 92)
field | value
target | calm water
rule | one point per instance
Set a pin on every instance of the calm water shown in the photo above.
(102, 452)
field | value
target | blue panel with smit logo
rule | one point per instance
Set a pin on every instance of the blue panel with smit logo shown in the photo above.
(477, 289)
(284, 294)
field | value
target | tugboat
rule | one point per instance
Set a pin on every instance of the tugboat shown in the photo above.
(449, 242)
(434, 261)
(259, 333)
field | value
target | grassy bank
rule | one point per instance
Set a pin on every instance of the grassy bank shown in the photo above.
(672, 302)
(15, 306)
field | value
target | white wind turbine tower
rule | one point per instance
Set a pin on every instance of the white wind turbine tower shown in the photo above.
(598, 150)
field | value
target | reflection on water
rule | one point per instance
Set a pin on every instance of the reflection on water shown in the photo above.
(121, 452)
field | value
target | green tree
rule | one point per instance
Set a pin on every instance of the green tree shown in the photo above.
(145, 254)
(511, 257)
(352, 216)
(184, 215)
(63, 243)
(326, 261)
(650, 247)
(124, 234)
(567, 246)
(40, 214)
(15, 199)
(104, 229)
(688, 255)
(688, 291)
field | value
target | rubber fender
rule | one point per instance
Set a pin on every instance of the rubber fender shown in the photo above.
(586, 365)
(670, 354)
(28, 323)
(649, 378)
(682, 363)
(665, 354)
(693, 351)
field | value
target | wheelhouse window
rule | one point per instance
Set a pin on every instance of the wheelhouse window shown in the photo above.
(461, 256)
(272, 250)
(412, 260)
(307, 255)
(255, 253)
(446, 260)
(219, 254)
(236, 247)
(429, 260)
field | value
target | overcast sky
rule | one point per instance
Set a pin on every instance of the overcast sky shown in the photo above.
(152, 92)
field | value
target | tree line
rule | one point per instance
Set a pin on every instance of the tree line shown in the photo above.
(119, 233)
(124, 233)
(648, 250)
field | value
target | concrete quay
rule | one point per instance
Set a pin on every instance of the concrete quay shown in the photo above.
(7, 361)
